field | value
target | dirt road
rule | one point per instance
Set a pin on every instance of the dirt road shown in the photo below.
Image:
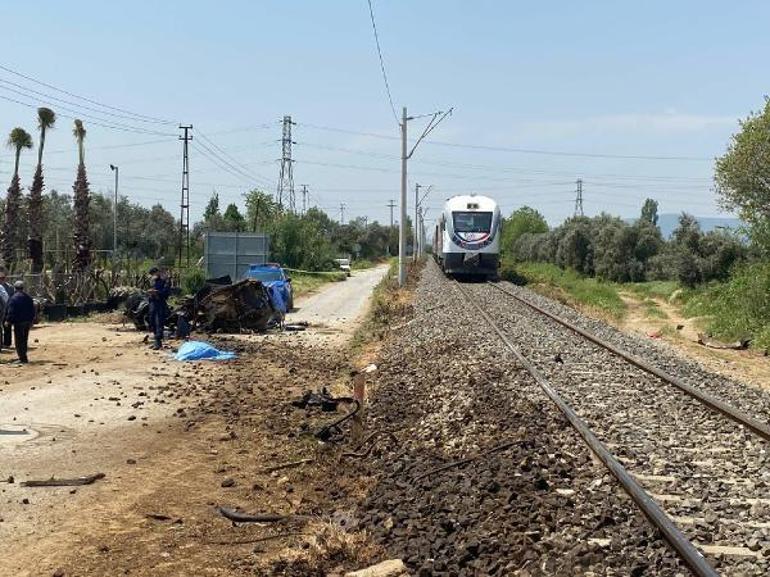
(95, 399)
(336, 309)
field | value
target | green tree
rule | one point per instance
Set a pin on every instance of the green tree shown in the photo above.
(742, 175)
(46, 118)
(522, 221)
(261, 210)
(18, 140)
(212, 208)
(650, 211)
(233, 219)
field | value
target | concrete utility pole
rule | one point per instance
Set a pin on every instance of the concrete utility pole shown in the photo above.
(416, 219)
(114, 168)
(435, 119)
(402, 226)
(391, 205)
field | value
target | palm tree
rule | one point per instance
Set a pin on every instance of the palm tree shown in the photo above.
(45, 120)
(18, 139)
(81, 201)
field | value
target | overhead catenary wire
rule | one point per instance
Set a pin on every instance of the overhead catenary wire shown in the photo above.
(382, 62)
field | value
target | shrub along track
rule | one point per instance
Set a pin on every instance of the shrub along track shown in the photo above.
(709, 473)
(489, 478)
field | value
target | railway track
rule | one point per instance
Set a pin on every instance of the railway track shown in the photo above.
(694, 464)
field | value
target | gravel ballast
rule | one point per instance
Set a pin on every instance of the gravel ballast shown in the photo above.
(528, 497)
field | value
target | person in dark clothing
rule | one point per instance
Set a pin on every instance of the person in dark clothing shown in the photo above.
(158, 295)
(6, 333)
(21, 314)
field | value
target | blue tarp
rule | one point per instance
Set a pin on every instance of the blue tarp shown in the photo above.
(272, 277)
(198, 350)
(277, 290)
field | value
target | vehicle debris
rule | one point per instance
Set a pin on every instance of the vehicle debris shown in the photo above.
(287, 465)
(238, 517)
(52, 482)
(739, 345)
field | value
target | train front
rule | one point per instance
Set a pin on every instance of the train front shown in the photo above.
(471, 236)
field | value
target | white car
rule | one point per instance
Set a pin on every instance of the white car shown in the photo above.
(344, 264)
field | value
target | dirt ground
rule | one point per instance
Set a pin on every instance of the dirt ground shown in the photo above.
(174, 441)
(750, 366)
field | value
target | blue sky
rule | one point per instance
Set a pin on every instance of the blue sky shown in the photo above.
(652, 79)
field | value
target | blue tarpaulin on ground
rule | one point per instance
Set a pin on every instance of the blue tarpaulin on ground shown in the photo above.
(198, 350)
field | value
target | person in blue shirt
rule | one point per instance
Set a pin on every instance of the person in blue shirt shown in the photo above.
(158, 295)
(20, 314)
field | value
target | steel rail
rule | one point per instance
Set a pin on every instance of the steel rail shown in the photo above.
(671, 533)
(758, 427)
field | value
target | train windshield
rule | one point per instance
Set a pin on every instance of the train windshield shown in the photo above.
(472, 221)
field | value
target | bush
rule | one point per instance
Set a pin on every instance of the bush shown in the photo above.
(193, 280)
(738, 308)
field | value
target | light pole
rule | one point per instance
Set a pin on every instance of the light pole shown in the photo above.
(114, 169)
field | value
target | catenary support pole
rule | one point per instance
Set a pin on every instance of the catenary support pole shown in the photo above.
(414, 223)
(402, 224)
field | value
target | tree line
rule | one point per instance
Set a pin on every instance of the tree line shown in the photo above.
(63, 232)
(609, 248)
(309, 241)
(612, 249)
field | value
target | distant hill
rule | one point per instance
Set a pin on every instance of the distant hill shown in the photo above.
(668, 222)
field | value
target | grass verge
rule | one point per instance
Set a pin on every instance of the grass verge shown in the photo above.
(304, 282)
(567, 286)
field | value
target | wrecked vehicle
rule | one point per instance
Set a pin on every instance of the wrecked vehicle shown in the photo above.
(220, 306)
(244, 305)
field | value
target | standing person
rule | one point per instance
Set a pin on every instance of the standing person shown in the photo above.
(158, 293)
(6, 342)
(20, 314)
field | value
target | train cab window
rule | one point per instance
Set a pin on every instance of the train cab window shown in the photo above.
(472, 221)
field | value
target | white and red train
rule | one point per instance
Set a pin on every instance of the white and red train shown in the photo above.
(467, 236)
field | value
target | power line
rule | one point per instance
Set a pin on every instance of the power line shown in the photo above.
(243, 168)
(94, 122)
(83, 98)
(382, 62)
(80, 113)
(516, 150)
(26, 90)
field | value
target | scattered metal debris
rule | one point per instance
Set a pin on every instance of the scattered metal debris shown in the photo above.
(238, 517)
(52, 482)
(740, 345)
(287, 465)
(327, 432)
